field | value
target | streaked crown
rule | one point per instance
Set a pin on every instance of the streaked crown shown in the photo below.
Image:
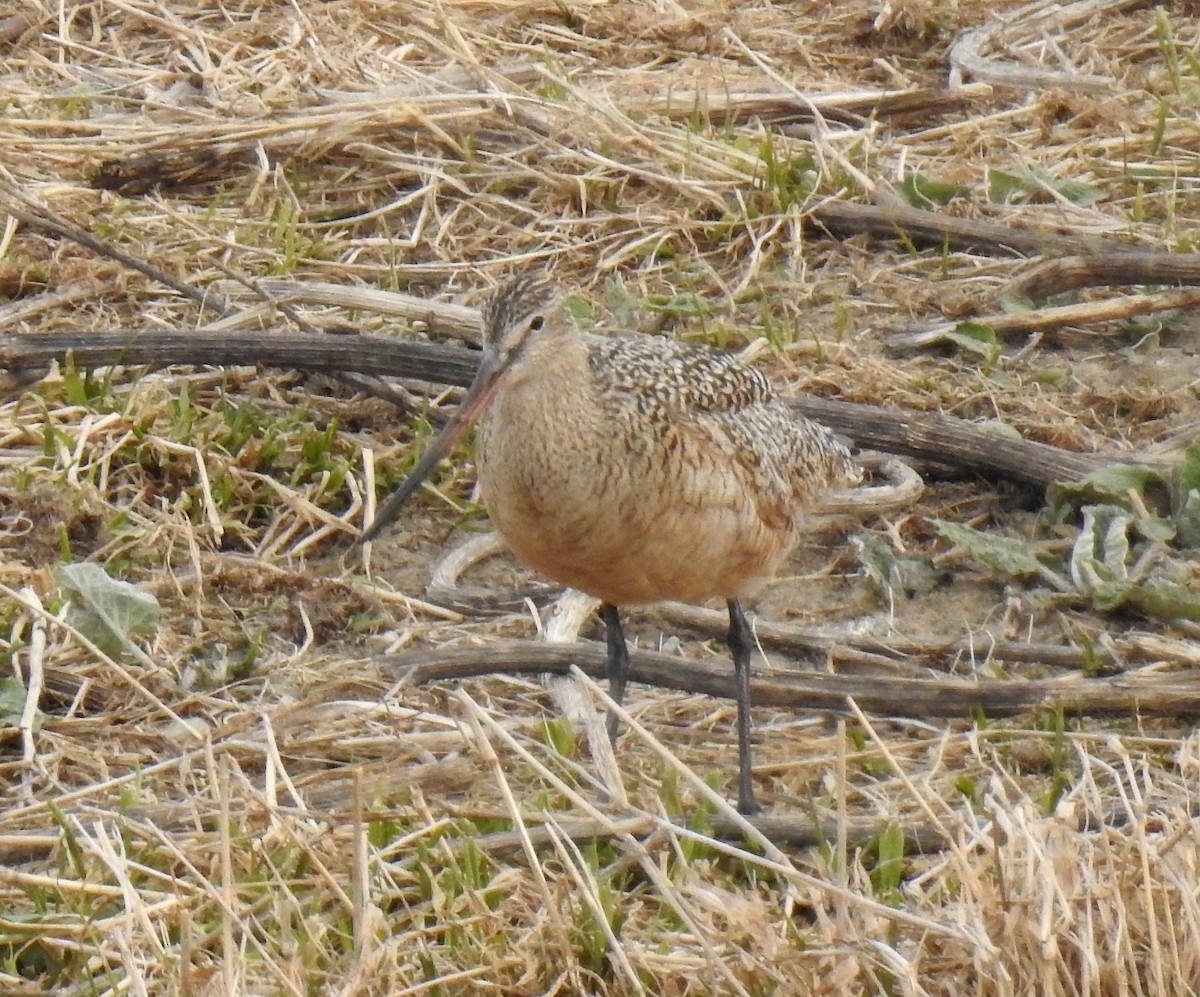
(519, 308)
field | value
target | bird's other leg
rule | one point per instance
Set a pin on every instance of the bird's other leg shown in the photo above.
(741, 642)
(618, 660)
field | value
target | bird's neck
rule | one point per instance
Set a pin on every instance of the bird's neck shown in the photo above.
(548, 387)
(550, 364)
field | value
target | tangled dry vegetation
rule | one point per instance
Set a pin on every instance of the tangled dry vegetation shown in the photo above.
(221, 772)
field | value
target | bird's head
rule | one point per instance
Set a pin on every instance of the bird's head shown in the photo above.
(516, 315)
(520, 312)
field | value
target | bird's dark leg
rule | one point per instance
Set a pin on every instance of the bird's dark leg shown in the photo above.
(741, 642)
(618, 660)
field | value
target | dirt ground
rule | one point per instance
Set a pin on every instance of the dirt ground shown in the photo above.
(975, 743)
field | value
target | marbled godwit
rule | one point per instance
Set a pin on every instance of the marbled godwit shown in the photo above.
(635, 469)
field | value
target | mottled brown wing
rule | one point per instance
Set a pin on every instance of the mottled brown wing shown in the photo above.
(759, 450)
(666, 379)
(741, 441)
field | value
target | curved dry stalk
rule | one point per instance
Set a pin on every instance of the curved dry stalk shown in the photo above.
(1035, 21)
(903, 487)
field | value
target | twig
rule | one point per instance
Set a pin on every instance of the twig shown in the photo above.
(350, 379)
(1174, 694)
(899, 431)
(930, 436)
(1073, 272)
(781, 829)
(24, 309)
(781, 106)
(897, 220)
(1088, 313)
(920, 651)
(442, 318)
(325, 352)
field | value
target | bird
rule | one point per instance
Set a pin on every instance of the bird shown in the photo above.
(637, 469)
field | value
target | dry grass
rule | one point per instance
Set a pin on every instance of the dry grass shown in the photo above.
(244, 801)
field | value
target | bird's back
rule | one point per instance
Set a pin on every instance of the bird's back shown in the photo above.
(655, 388)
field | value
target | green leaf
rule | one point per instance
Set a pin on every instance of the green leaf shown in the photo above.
(12, 702)
(878, 560)
(1157, 529)
(1120, 479)
(1185, 496)
(1099, 568)
(1160, 600)
(1009, 557)
(73, 382)
(1110, 485)
(1109, 595)
(966, 786)
(1101, 549)
(975, 337)
(1164, 601)
(1012, 303)
(889, 869)
(559, 734)
(108, 611)
(1001, 429)
(1002, 186)
(684, 304)
(1036, 184)
(921, 191)
(1077, 192)
(895, 575)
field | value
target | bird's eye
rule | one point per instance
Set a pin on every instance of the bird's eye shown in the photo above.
(536, 323)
